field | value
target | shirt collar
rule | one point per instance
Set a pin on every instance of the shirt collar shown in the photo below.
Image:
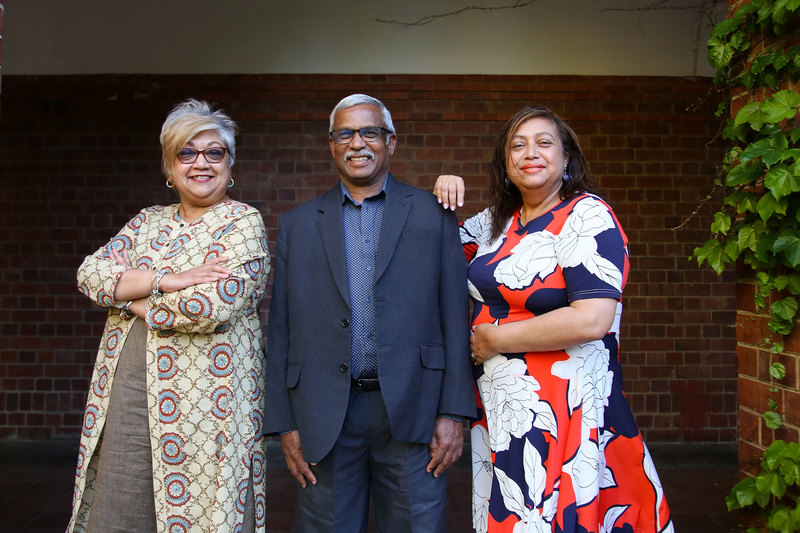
(346, 194)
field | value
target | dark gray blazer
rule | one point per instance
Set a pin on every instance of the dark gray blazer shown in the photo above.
(421, 309)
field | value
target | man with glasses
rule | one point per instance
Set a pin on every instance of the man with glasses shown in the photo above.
(368, 369)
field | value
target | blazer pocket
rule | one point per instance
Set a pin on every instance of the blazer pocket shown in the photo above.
(293, 375)
(432, 356)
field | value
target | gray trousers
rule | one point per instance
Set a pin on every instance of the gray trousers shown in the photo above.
(366, 463)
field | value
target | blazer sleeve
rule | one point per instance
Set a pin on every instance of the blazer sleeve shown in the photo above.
(457, 395)
(278, 410)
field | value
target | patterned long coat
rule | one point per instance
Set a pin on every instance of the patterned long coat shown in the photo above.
(204, 361)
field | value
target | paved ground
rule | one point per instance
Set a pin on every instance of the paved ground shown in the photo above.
(36, 487)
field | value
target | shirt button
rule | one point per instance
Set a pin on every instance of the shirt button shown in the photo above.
(345, 322)
(343, 367)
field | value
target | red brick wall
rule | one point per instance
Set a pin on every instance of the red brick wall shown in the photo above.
(79, 155)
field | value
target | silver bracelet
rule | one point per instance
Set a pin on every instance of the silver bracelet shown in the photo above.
(154, 292)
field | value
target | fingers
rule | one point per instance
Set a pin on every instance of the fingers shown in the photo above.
(449, 191)
(445, 446)
(293, 452)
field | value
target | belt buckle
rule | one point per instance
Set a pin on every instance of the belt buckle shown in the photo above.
(366, 384)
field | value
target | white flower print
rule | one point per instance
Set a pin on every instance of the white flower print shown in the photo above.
(613, 513)
(652, 476)
(478, 230)
(584, 470)
(532, 518)
(482, 475)
(509, 398)
(577, 244)
(535, 255)
(590, 382)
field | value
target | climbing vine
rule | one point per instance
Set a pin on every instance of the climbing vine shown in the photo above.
(759, 222)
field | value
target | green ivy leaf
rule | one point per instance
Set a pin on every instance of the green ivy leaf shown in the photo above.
(744, 174)
(712, 253)
(794, 283)
(773, 420)
(722, 223)
(751, 114)
(720, 51)
(771, 483)
(770, 150)
(781, 182)
(789, 244)
(785, 308)
(742, 494)
(768, 205)
(777, 370)
(781, 106)
(747, 237)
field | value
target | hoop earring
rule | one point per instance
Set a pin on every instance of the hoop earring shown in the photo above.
(169, 184)
(231, 183)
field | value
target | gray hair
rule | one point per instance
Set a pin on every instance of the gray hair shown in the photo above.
(186, 120)
(362, 99)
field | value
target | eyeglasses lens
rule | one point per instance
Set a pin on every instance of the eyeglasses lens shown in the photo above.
(212, 155)
(368, 134)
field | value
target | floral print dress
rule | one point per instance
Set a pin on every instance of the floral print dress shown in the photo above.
(556, 448)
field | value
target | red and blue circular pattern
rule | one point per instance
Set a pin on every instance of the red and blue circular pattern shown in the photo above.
(89, 420)
(196, 306)
(168, 411)
(240, 501)
(177, 489)
(257, 418)
(144, 263)
(258, 467)
(221, 402)
(99, 386)
(161, 317)
(118, 244)
(223, 230)
(112, 342)
(229, 289)
(177, 245)
(105, 299)
(81, 459)
(136, 223)
(172, 449)
(221, 441)
(221, 360)
(261, 510)
(160, 240)
(166, 358)
(222, 328)
(214, 251)
(253, 268)
(178, 524)
(256, 388)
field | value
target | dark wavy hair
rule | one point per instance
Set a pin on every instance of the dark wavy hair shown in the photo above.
(505, 198)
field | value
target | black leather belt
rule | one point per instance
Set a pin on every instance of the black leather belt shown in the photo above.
(366, 384)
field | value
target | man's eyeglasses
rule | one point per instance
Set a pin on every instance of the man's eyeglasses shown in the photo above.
(212, 155)
(370, 134)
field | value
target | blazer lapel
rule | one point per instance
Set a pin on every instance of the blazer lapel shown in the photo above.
(395, 214)
(331, 229)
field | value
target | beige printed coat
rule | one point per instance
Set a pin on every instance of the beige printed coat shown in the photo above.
(205, 382)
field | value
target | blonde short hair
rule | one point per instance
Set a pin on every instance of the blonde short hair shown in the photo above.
(186, 120)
